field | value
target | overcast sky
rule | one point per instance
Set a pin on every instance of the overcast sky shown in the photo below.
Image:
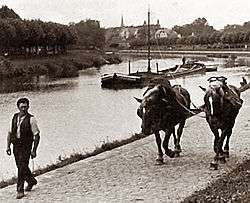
(170, 12)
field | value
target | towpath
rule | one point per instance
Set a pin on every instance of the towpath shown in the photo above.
(129, 173)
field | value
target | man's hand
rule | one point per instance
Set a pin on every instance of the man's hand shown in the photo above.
(33, 154)
(8, 151)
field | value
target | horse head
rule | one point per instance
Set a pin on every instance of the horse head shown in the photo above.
(150, 109)
(214, 95)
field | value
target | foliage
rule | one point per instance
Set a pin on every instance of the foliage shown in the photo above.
(34, 36)
(198, 27)
(89, 34)
(6, 13)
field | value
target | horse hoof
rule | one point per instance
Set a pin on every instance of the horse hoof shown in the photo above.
(222, 160)
(214, 166)
(226, 154)
(177, 149)
(177, 154)
(159, 161)
(170, 153)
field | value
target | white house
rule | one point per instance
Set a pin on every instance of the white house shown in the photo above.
(165, 33)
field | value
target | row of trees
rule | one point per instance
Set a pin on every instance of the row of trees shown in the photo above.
(34, 36)
(207, 39)
(217, 39)
(231, 38)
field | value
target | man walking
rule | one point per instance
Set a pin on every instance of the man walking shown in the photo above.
(24, 135)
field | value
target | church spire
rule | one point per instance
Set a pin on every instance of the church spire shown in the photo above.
(122, 23)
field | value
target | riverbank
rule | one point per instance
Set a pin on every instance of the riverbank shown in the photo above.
(59, 66)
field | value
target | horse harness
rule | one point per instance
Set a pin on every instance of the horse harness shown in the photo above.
(228, 92)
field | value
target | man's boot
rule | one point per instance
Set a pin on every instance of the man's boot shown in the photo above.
(30, 185)
(20, 195)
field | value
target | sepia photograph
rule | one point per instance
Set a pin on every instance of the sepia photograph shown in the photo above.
(125, 101)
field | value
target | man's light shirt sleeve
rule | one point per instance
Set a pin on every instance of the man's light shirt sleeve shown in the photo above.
(34, 126)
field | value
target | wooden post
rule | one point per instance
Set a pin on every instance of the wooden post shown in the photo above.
(157, 68)
(129, 67)
(149, 68)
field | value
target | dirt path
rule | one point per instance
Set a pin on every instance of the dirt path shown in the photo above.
(129, 173)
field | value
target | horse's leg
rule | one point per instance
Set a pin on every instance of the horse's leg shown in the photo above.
(177, 153)
(159, 158)
(175, 139)
(228, 133)
(215, 131)
(216, 141)
(220, 153)
(179, 133)
(168, 151)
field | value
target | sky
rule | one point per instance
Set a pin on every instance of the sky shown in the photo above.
(169, 12)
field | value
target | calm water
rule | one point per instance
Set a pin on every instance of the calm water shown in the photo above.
(77, 115)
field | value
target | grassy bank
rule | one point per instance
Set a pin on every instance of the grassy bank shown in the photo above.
(231, 187)
(58, 66)
(77, 157)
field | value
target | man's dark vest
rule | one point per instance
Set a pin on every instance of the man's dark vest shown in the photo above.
(26, 134)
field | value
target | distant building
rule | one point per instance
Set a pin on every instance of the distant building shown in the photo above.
(120, 36)
(165, 33)
(125, 33)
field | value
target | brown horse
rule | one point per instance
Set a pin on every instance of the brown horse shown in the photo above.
(222, 105)
(162, 108)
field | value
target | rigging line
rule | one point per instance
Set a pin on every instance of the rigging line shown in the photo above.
(171, 74)
(178, 86)
(161, 56)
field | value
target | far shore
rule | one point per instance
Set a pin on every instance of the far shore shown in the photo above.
(208, 53)
(57, 66)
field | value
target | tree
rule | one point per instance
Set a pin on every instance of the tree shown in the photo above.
(247, 37)
(142, 33)
(89, 34)
(241, 36)
(197, 27)
(6, 13)
(225, 38)
(7, 35)
(35, 35)
(22, 34)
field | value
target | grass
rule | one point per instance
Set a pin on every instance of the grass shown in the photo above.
(77, 157)
(58, 66)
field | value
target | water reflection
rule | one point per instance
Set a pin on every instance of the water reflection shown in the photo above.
(35, 83)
